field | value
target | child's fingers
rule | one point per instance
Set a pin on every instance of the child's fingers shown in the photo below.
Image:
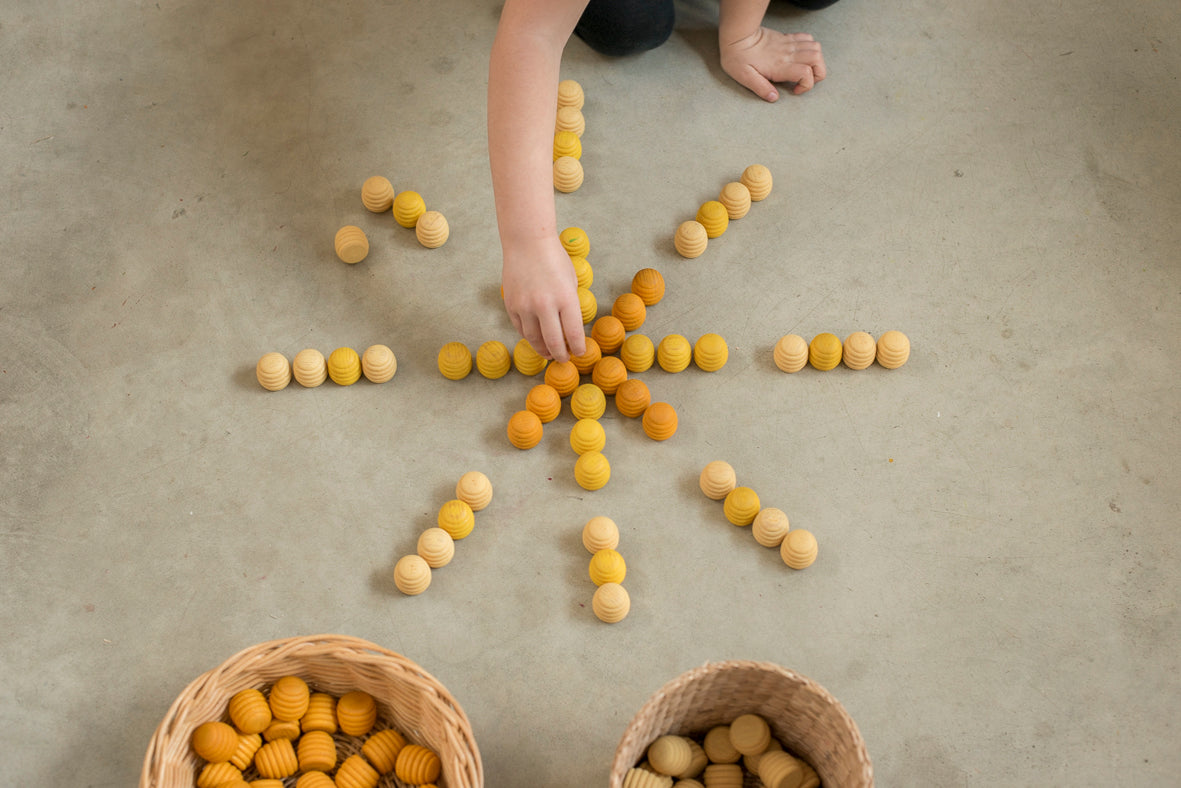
(553, 337)
(573, 329)
(750, 78)
(802, 75)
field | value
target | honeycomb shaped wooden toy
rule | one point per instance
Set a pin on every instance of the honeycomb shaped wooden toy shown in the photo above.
(281, 729)
(474, 489)
(276, 759)
(309, 367)
(408, 206)
(798, 549)
(356, 712)
(493, 360)
(717, 479)
(249, 711)
(248, 744)
(777, 769)
(417, 765)
(563, 376)
(587, 304)
(455, 361)
(215, 742)
(700, 761)
(317, 752)
(670, 754)
(893, 349)
(377, 193)
(527, 360)
(289, 698)
(568, 174)
(859, 350)
(632, 398)
(544, 401)
(570, 94)
(436, 547)
(691, 239)
(824, 351)
(648, 284)
(674, 353)
(570, 119)
(710, 353)
(642, 778)
(585, 363)
(524, 429)
(567, 144)
(351, 244)
(321, 714)
(660, 421)
(736, 197)
(741, 506)
(412, 575)
(600, 533)
(750, 734)
(457, 519)
(382, 748)
(355, 772)
(607, 566)
(757, 179)
(713, 217)
(608, 332)
(588, 402)
(592, 471)
(630, 310)
(575, 242)
(344, 366)
(432, 230)
(611, 603)
(583, 271)
(770, 526)
(587, 435)
(637, 353)
(215, 775)
(314, 780)
(609, 374)
(723, 775)
(751, 762)
(378, 363)
(791, 353)
(273, 371)
(718, 747)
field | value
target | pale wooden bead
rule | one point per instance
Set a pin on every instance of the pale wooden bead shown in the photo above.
(273, 371)
(718, 747)
(351, 244)
(791, 353)
(670, 754)
(859, 350)
(432, 230)
(600, 533)
(757, 179)
(412, 575)
(436, 547)
(770, 526)
(378, 363)
(570, 94)
(750, 734)
(611, 603)
(474, 489)
(309, 367)
(799, 549)
(570, 119)
(377, 194)
(568, 174)
(736, 197)
(717, 479)
(893, 349)
(691, 239)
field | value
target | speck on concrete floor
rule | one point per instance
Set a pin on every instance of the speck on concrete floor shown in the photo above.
(995, 600)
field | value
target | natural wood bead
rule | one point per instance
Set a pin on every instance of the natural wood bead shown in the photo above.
(642, 778)
(600, 533)
(351, 244)
(378, 363)
(757, 179)
(570, 94)
(524, 429)
(570, 119)
(777, 769)
(273, 371)
(750, 734)
(736, 197)
(412, 575)
(691, 239)
(859, 350)
(798, 549)
(648, 284)
(717, 745)
(893, 349)
(436, 547)
(700, 761)
(568, 174)
(713, 217)
(432, 230)
(741, 506)
(791, 353)
(611, 603)
(770, 526)
(592, 471)
(824, 351)
(751, 762)
(723, 775)
(660, 421)
(670, 754)
(474, 489)
(408, 206)
(377, 194)
(309, 367)
(717, 480)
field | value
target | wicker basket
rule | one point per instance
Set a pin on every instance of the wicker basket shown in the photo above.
(801, 713)
(408, 698)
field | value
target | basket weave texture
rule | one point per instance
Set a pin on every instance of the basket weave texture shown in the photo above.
(408, 699)
(803, 716)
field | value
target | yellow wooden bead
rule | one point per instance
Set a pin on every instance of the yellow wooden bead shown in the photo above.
(691, 239)
(674, 353)
(276, 759)
(587, 435)
(567, 144)
(592, 471)
(321, 713)
(314, 780)
(457, 519)
(711, 352)
(587, 304)
(824, 351)
(455, 361)
(344, 366)
(289, 698)
(588, 402)
(249, 711)
(575, 242)
(408, 206)
(493, 360)
(317, 752)
(273, 372)
(741, 506)
(248, 744)
(351, 244)
(214, 775)
(607, 566)
(527, 360)
(281, 729)
(713, 217)
(382, 748)
(215, 742)
(356, 772)
(637, 353)
(583, 271)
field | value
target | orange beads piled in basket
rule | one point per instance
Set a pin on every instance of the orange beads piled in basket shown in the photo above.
(296, 731)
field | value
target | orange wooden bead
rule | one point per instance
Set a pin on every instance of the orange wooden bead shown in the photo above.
(609, 374)
(524, 429)
(563, 376)
(660, 421)
(586, 362)
(544, 400)
(630, 310)
(632, 398)
(608, 332)
(648, 284)
(417, 765)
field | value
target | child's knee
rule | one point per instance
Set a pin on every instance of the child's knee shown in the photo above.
(618, 34)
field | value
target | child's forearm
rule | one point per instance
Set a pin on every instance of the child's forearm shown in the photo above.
(738, 19)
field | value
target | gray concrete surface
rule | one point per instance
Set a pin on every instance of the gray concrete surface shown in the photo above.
(996, 597)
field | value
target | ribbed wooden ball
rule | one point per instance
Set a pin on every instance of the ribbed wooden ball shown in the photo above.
(575, 242)
(588, 402)
(378, 363)
(893, 349)
(700, 761)
(632, 398)
(736, 197)
(609, 333)
(309, 368)
(524, 429)
(723, 775)
(718, 747)
(215, 775)
(611, 603)
(563, 376)
(637, 353)
(351, 244)
(691, 239)
(317, 752)
(454, 361)
(493, 360)
(289, 698)
(568, 174)
(276, 759)
(355, 772)
(249, 711)
(456, 518)
(592, 471)
(751, 762)
(585, 362)
(377, 193)
(527, 360)
(750, 734)
(791, 353)
(630, 310)
(609, 374)
(412, 575)
(741, 506)
(717, 479)
(344, 366)
(642, 778)
(777, 769)
(570, 119)
(607, 566)
(713, 217)
(567, 145)
(600, 533)
(660, 421)
(710, 352)
(570, 94)
(674, 353)
(314, 780)
(824, 351)
(356, 712)
(321, 713)
(648, 284)
(432, 229)
(382, 748)
(216, 742)
(273, 371)
(417, 765)
(757, 179)
(544, 401)
(475, 489)
(770, 526)
(587, 304)
(670, 754)
(587, 435)
(583, 271)
(436, 547)
(281, 729)
(408, 206)
(799, 549)
(859, 350)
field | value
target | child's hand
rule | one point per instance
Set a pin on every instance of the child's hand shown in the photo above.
(541, 296)
(768, 56)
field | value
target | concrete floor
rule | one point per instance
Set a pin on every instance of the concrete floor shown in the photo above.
(995, 600)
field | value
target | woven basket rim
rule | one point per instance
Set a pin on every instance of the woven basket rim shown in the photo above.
(635, 739)
(229, 676)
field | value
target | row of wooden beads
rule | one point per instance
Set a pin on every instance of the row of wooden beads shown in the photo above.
(826, 351)
(714, 216)
(310, 368)
(568, 128)
(436, 546)
(611, 602)
(769, 525)
(716, 760)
